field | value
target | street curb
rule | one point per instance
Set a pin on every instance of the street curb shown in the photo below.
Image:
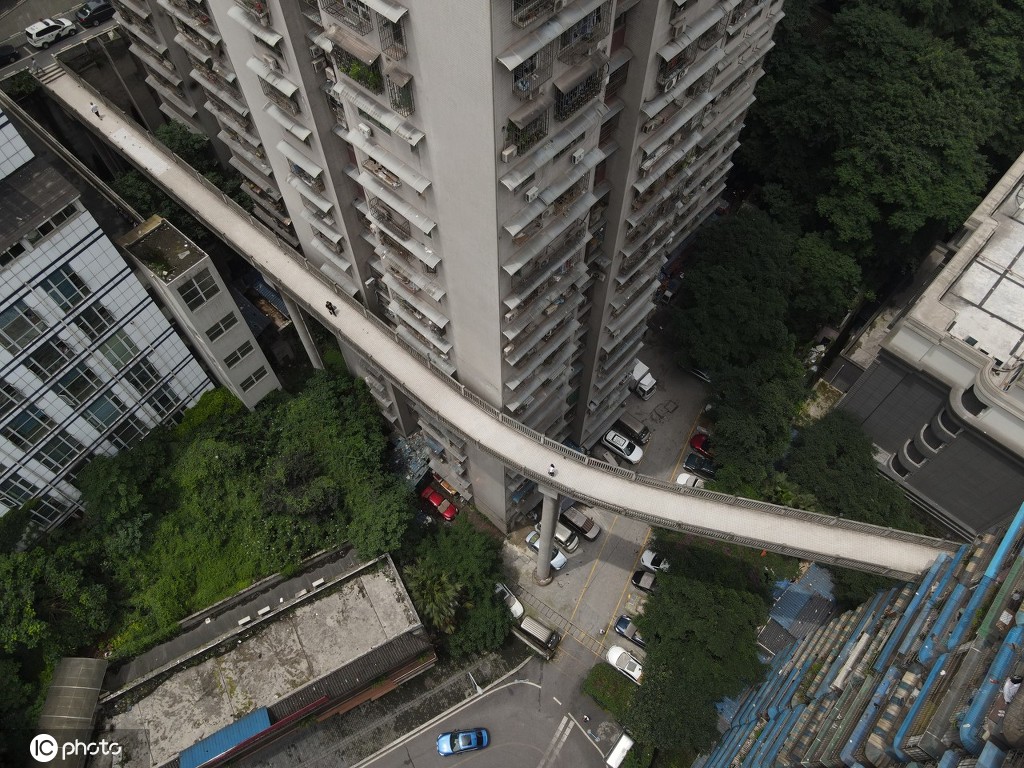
(450, 711)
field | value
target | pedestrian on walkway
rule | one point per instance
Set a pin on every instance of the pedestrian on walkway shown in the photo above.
(34, 65)
(332, 309)
(551, 471)
(586, 718)
(95, 110)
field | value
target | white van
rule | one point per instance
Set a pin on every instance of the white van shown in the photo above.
(579, 521)
(619, 752)
(543, 634)
(565, 538)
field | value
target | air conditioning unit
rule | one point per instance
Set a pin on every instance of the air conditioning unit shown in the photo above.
(319, 65)
(577, 156)
(366, 130)
(508, 153)
(670, 84)
(509, 349)
(650, 125)
(531, 194)
(511, 315)
(272, 63)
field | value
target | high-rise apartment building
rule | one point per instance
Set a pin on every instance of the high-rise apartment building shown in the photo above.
(500, 181)
(88, 362)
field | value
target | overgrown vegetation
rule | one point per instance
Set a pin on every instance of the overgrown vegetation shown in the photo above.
(191, 515)
(147, 198)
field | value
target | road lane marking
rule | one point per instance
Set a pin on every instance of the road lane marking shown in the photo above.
(555, 745)
(556, 700)
(590, 577)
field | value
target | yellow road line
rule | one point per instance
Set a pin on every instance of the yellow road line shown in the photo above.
(593, 567)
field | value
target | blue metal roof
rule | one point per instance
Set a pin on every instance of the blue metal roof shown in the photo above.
(260, 286)
(226, 738)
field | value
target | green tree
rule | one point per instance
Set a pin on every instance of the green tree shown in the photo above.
(824, 284)
(15, 719)
(434, 593)
(20, 624)
(193, 148)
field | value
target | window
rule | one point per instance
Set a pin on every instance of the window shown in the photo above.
(584, 34)
(11, 254)
(59, 451)
(127, 433)
(28, 427)
(142, 376)
(392, 37)
(19, 325)
(10, 397)
(526, 136)
(198, 290)
(373, 121)
(104, 411)
(94, 321)
(14, 491)
(400, 92)
(77, 385)
(352, 12)
(575, 98)
(119, 349)
(238, 355)
(288, 103)
(65, 287)
(163, 400)
(250, 381)
(49, 357)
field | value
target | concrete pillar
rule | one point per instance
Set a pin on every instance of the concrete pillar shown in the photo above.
(299, 319)
(549, 514)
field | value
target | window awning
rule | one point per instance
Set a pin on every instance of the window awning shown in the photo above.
(527, 46)
(301, 132)
(390, 11)
(353, 45)
(530, 111)
(295, 157)
(303, 189)
(690, 35)
(406, 173)
(282, 84)
(266, 34)
(397, 75)
(422, 222)
(385, 117)
(693, 73)
(569, 79)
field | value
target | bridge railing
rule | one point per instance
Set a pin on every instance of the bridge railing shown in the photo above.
(538, 474)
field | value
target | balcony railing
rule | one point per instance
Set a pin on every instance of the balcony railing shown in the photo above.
(367, 75)
(352, 13)
(258, 8)
(529, 76)
(573, 100)
(392, 37)
(525, 12)
(390, 218)
(581, 37)
(400, 92)
(382, 173)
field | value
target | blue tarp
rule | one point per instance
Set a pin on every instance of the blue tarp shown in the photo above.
(226, 738)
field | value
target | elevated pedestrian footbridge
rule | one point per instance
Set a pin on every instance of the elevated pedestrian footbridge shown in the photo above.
(704, 513)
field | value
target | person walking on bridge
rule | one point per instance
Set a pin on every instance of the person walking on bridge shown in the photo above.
(95, 110)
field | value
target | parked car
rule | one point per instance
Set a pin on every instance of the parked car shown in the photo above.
(632, 428)
(9, 54)
(701, 443)
(691, 481)
(653, 562)
(622, 446)
(576, 519)
(45, 32)
(457, 742)
(627, 629)
(558, 560)
(435, 502)
(94, 12)
(511, 601)
(700, 465)
(644, 581)
(625, 662)
(564, 538)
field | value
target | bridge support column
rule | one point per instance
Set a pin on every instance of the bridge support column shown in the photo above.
(548, 515)
(299, 318)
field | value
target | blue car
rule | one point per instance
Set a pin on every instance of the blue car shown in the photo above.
(457, 742)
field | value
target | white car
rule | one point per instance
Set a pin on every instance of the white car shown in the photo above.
(558, 560)
(653, 562)
(691, 481)
(625, 662)
(511, 602)
(622, 446)
(47, 31)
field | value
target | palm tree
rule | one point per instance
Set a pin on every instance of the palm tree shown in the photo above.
(434, 594)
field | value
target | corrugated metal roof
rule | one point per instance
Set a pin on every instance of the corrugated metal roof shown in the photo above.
(789, 606)
(226, 738)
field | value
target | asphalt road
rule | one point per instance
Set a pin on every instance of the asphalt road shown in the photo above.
(45, 56)
(530, 720)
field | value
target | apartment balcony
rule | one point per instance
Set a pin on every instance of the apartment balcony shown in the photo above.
(356, 59)
(526, 281)
(232, 120)
(197, 52)
(167, 76)
(136, 7)
(254, 175)
(302, 168)
(665, 169)
(623, 322)
(390, 218)
(611, 374)
(285, 232)
(548, 377)
(419, 345)
(382, 173)
(399, 84)
(255, 158)
(390, 209)
(555, 237)
(527, 126)
(526, 12)
(427, 314)
(579, 40)
(407, 318)
(335, 268)
(153, 61)
(172, 94)
(528, 77)
(534, 331)
(323, 227)
(405, 269)
(216, 86)
(528, 364)
(258, 8)
(271, 201)
(640, 286)
(449, 443)
(256, 23)
(141, 28)
(577, 87)
(192, 22)
(612, 362)
(352, 13)
(547, 301)
(394, 123)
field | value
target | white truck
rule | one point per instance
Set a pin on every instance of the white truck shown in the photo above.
(643, 383)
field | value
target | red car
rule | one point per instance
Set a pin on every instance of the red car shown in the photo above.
(701, 443)
(435, 502)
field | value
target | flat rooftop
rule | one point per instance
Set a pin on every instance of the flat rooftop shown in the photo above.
(979, 295)
(162, 248)
(364, 612)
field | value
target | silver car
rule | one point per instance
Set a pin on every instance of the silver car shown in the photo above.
(622, 446)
